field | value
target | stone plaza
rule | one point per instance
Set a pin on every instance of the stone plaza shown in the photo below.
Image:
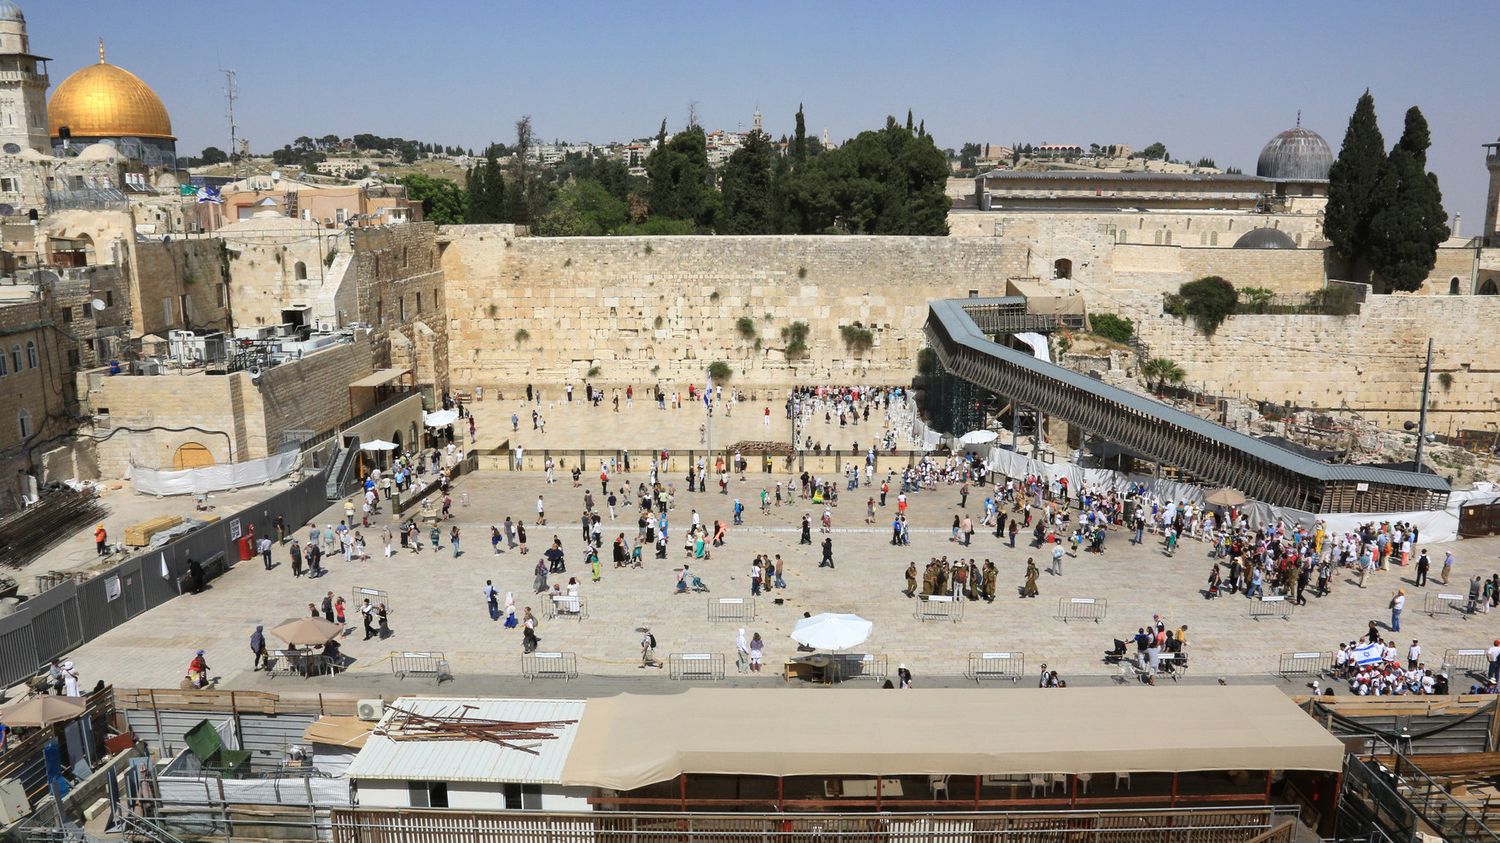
(437, 601)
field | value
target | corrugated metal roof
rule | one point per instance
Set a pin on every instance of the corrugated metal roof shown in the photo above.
(1111, 175)
(472, 760)
(959, 326)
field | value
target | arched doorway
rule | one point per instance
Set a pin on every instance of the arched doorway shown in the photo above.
(191, 455)
(1488, 288)
(1453, 287)
(1062, 268)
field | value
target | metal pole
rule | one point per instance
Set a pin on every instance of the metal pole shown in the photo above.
(1422, 416)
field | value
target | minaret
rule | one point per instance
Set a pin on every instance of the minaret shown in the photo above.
(23, 84)
(756, 123)
(1491, 233)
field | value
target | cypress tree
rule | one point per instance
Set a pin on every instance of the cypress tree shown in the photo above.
(1409, 222)
(799, 140)
(1352, 184)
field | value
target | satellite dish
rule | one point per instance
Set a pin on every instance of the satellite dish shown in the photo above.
(275, 175)
(98, 304)
(7, 210)
(12, 149)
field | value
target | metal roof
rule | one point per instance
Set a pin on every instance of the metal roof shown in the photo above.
(471, 760)
(962, 329)
(1088, 175)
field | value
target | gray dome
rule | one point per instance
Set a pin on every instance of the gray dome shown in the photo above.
(1265, 238)
(1295, 155)
(10, 11)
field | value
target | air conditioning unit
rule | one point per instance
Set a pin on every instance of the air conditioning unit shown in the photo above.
(13, 803)
(147, 367)
(371, 710)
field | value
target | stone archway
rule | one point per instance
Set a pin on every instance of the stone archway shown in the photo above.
(191, 455)
(1489, 288)
(1062, 269)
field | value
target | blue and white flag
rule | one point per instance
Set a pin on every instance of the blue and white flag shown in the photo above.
(1367, 654)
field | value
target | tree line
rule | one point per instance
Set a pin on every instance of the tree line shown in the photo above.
(885, 181)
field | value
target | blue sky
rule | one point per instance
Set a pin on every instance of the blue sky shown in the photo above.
(1207, 79)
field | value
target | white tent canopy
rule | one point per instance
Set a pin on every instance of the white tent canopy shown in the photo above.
(378, 445)
(832, 632)
(978, 437)
(442, 418)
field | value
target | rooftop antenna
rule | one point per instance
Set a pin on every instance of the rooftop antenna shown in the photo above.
(1299, 118)
(231, 94)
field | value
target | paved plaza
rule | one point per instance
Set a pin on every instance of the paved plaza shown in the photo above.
(437, 601)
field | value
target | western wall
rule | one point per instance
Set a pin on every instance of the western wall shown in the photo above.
(641, 310)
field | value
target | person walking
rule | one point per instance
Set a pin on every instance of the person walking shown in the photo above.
(1030, 589)
(911, 579)
(367, 613)
(742, 653)
(757, 652)
(264, 548)
(968, 529)
(1447, 565)
(827, 553)
(1423, 565)
(806, 529)
(648, 649)
(258, 648)
(101, 540)
(1012, 530)
(1494, 654)
(453, 540)
(1398, 603)
(295, 553)
(1057, 559)
(328, 607)
(492, 599)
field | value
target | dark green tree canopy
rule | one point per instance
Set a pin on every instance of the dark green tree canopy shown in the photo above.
(1352, 182)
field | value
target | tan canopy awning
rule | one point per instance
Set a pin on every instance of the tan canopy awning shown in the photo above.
(381, 377)
(629, 741)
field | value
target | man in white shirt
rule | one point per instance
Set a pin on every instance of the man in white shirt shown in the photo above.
(1494, 654)
(1413, 655)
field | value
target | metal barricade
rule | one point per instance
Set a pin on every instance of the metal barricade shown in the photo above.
(996, 666)
(567, 606)
(376, 597)
(695, 666)
(1082, 609)
(722, 609)
(939, 607)
(846, 666)
(1447, 604)
(1274, 606)
(1172, 664)
(421, 664)
(549, 665)
(1303, 664)
(1469, 662)
(284, 663)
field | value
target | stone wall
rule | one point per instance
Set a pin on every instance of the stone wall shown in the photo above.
(663, 308)
(34, 388)
(1372, 362)
(193, 269)
(402, 295)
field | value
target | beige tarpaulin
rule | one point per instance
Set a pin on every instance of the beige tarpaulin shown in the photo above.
(1044, 300)
(629, 741)
(338, 730)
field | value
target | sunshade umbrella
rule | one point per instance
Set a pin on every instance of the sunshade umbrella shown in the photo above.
(442, 418)
(978, 437)
(43, 711)
(830, 631)
(1226, 496)
(378, 445)
(307, 631)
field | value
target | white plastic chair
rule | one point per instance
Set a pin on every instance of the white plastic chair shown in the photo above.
(1083, 780)
(1122, 777)
(1039, 780)
(938, 784)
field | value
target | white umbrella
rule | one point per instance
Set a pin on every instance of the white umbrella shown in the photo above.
(442, 418)
(378, 445)
(832, 632)
(978, 437)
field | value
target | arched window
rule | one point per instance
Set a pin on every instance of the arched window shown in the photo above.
(299, 271)
(1489, 288)
(23, 420)
(31, 361)
(1062, 268)
(15, 357)
(1453, 287)
(4, 367)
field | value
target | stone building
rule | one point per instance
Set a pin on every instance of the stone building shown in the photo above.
(37, 402)
(369, 202)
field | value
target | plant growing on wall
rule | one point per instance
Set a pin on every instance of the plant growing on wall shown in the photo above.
(746, 327)
(719, 371)
(522, 335)
(1163, 371)
(795, 337)
(656, 322)
(593, 371)
(1207, 301)
(857, 338)
(1111, 327)
(333, 252)
(492, 310)
(1445, 380)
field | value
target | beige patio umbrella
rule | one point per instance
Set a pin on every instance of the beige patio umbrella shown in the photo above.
(1226, 496)
(306, 631)
(43, 711)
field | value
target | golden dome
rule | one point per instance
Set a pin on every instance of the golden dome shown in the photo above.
(104, 101)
